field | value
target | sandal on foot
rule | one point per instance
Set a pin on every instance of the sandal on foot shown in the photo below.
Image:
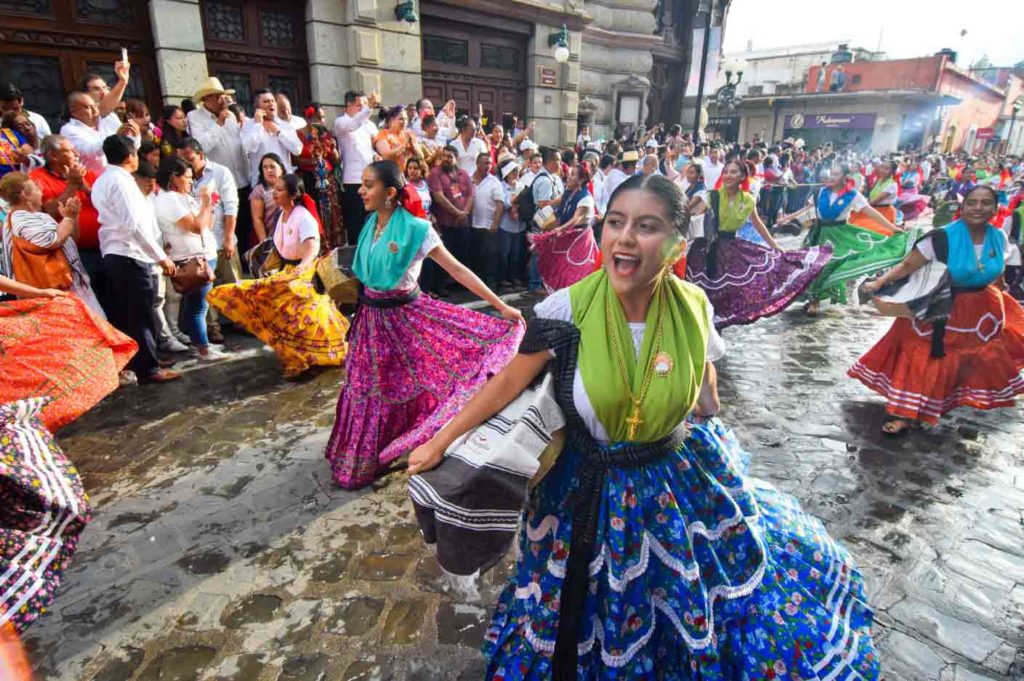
(897, 427)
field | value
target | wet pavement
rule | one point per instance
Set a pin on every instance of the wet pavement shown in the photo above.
(221, 550)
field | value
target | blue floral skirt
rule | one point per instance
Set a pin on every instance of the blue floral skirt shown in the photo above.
(698, 573)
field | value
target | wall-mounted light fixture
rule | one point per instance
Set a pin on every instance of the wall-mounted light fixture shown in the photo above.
(560, 41)
(406, 11)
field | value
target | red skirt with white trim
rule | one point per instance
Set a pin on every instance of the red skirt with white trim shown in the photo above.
(984, 357)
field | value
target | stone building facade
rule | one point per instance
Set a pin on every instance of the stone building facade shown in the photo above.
(627, 63)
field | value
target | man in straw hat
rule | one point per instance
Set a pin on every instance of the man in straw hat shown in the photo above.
(221, 138)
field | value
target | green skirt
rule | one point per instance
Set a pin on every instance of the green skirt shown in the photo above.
(856, 253)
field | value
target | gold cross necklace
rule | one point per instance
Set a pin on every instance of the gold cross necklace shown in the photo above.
(635, 421)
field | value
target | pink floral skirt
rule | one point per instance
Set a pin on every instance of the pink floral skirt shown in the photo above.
(409, 370)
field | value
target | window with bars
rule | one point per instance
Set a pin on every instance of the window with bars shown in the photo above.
(40, 81)
(445, 50)
(499, 57)
(241, 83)
(277, 29)
(286, 85)
(30, 7)
(135, 88)
(105, 11)
(224, 21)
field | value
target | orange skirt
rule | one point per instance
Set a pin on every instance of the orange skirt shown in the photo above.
(862, 220)
(984, 347)
(57, 348)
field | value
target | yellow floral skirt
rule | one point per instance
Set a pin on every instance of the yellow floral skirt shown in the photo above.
(284, 311)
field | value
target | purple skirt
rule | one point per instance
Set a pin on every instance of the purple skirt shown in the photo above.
(751, 281)
(409, 370)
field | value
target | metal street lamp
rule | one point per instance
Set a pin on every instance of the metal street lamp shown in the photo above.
(560, 41)
(1015, 108)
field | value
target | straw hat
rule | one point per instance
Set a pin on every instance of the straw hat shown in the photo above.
(629, 157)
(210, 86)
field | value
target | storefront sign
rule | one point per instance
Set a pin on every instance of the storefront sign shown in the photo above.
(830, 121)
(985, 133)
(548, 76)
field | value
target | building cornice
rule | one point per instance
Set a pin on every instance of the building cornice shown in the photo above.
(606, 38)
(576, 19)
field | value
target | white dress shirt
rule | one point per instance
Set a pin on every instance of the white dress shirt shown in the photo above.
(128, 224)
(296, 123)
(88, 141)
(488, 194)
(42, 127)
(222, 182)
(221, 143)
(355, 142)
(257, 142)
(468, 153)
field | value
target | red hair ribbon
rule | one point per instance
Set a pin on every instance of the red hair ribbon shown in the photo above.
(310, 111)
(410, 200)
(309, 204)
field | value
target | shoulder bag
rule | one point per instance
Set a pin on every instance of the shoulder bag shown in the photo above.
(192, 274)
(38, 266)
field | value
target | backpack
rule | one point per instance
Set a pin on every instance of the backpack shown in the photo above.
(525, 204)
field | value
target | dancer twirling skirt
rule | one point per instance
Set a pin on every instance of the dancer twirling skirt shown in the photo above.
(882, 198)
(745, 281)
(645, 554)
(856, 251)
(285, 310)
(974, 358)
(44, 511)
(54, 346)
(414, 361)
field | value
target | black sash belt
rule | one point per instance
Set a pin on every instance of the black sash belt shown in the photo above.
(390, 302)
(586, 507)
(939, 325)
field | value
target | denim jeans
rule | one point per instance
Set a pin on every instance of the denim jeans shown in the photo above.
(511, 246)
(193, 312)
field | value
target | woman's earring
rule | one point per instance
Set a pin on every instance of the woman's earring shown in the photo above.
(388, 203)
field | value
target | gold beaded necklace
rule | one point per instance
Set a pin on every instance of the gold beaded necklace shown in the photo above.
(634, 421)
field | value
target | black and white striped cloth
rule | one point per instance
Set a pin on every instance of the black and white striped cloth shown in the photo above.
(468, 507)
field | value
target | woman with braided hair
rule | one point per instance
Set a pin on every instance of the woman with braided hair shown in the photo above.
(645, 552)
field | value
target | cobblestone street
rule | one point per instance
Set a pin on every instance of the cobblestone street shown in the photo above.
(220, 549)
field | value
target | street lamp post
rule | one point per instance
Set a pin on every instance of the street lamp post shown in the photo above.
(1015, 108)
(703, 11)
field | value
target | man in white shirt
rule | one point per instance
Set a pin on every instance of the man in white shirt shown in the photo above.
(108, 98)
(355, 134)
(131, 244)
(713, 166)
(625, 170)
(220, 135)
(601, 183)
(11, 99)
(468, 145)
(284, 108)
(488, 207)
(86, 130)
(445, 120)
(265, 133)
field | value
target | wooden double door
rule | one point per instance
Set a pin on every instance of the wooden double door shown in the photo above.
(258, 44)
(476, 60)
